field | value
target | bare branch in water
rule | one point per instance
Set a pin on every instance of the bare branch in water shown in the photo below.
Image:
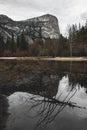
(49, 108)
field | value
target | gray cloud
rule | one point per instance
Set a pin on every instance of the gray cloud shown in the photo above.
(67, 11)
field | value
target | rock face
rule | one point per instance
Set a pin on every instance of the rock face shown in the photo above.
(50, 26)
(45, 26)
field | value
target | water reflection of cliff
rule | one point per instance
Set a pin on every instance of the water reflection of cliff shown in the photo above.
(50, 108)
(36, 75)
(3, 112)
(45, 83)
(38, 83)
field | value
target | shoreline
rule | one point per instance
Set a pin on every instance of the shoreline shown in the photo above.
(46, 58)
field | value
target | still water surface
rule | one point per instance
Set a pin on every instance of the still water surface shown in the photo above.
(52, 101)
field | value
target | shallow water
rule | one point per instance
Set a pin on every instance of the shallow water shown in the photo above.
(54, 100)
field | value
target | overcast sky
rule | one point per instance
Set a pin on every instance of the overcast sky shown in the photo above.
(67, 11)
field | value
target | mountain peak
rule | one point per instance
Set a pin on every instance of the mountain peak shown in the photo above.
(4, 19)
(50, 27)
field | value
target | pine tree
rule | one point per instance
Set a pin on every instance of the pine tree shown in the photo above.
(18, 42)
(12, 44)
(23, 43)
(2, 46)
(7, 47)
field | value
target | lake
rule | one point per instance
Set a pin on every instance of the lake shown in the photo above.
(43, 95)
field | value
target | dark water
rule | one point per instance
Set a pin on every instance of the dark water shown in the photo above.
(54, 99)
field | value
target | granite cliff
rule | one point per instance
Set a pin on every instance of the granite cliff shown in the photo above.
(45, 26)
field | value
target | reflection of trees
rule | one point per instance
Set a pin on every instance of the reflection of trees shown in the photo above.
(80, 79)
(3, 112)
(50, 108)
(75, 76)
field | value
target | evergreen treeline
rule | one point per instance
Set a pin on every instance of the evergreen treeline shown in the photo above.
(11, 47)
(74, 45)
(77, 40)
(39, 47)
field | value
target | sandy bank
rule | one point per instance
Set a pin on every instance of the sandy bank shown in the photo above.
(46, 58)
